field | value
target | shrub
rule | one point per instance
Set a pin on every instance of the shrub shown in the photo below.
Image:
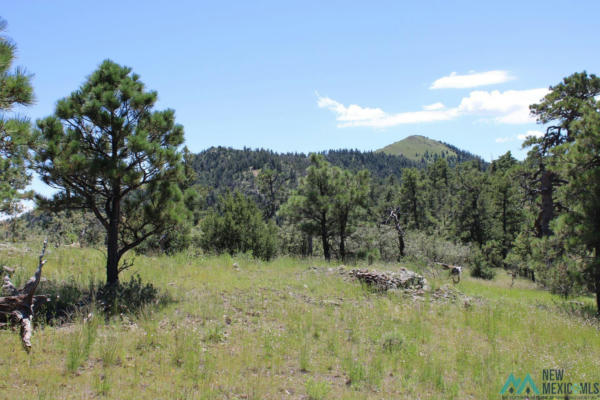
(68, 299)
(480, 266)
(236, 226)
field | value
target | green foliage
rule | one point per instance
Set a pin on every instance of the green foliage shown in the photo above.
(505, 202)
(578, 162)
(128, 297)
(108, 152)
(15, 135)
(411, 199)
(310, 205)
(271, 185)
(557, 270)
(566, 158)
(471, 208)
(67, 299)
(484, 259)
(236, 226)
(349, 200)
(327, 202)
(423, 246)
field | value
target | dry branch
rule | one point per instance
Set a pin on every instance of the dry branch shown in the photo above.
(18, 306)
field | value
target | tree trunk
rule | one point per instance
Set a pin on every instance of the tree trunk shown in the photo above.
(324, 236)
(415, 211)
(326, 251)
(547, 211)
(342, 244)
(598, 295)
(112, 249)
(505, 243)
(400, 244)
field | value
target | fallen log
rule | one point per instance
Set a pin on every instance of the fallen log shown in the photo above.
(18, 305)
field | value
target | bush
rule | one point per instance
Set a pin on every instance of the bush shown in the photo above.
(128, 297)
(175, 240)
(236, 226)
(424, 246)
(481, 266)
(66, 300)
(556, 269)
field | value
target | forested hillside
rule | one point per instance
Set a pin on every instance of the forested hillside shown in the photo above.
(220, 169)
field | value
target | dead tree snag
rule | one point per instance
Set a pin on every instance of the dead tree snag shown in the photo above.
(18, 305)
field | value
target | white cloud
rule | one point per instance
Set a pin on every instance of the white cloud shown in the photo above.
(474, 79)
(504, 139)
(530, 133)
(509, 107)
(350, 113)
(434, 106)
(354, 115)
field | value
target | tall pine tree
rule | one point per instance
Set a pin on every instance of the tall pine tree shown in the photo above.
(107, 151)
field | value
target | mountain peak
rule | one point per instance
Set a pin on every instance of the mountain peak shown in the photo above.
(417, 147)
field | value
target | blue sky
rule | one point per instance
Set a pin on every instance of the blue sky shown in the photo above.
(309, 76)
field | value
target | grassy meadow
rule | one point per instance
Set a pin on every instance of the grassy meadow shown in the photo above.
(285, 330)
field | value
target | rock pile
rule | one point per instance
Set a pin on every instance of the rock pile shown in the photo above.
(402, 280)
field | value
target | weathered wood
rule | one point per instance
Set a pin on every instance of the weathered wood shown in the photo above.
(18, 305)
(455, 271)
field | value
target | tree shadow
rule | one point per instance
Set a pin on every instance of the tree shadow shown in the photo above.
(66, 300)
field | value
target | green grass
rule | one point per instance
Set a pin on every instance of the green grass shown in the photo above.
(413, 148)
(281, 330)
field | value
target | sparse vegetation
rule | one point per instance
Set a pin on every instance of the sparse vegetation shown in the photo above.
(270, 328)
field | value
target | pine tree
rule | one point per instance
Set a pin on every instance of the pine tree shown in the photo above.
(559, 109)
(310, 205)
(579, 161)
(350, 197)
(505, 202)
(411, 198)
(107, 151)
(15, 137)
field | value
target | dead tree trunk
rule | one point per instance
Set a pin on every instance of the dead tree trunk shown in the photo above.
(395, 215)
(18, 305)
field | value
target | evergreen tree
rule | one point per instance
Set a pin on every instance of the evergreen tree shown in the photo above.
(437, 195)
(560, 108)
(236, 226)
(107, 151)
(350, 196)
(411, 198)
(310, 205)
(15, 136)
(579, 161)
(471, 209)
(505, 202)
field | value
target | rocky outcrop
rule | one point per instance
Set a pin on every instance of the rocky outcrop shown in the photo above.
(404, 279)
